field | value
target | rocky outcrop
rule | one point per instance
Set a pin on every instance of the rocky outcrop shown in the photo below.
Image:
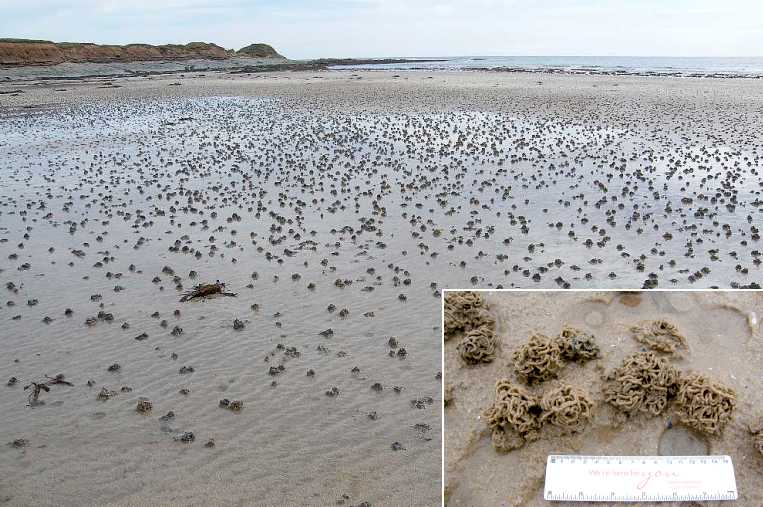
(259, 51)
(21, 52)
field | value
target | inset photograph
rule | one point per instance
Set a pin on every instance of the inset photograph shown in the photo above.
(530, 375)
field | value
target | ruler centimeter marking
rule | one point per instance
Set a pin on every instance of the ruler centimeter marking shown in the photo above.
(639, 478)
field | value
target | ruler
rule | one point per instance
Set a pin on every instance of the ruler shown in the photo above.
(639, 478)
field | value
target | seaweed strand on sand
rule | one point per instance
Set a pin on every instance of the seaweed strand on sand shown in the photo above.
(204, 290)
(34, 394)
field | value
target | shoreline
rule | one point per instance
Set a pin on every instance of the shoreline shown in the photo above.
(145, 68)
(572, 72)
(243, 65)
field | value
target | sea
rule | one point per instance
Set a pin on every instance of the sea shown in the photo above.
(749, 67)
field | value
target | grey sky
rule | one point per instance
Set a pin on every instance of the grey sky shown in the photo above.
(335, 28)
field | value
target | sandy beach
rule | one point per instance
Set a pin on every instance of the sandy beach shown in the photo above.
(336, 205)
(722, 332)
(573, 181)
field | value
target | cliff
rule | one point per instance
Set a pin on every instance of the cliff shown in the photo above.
(259, 51)
(22, 52)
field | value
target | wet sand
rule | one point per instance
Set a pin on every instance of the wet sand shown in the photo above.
(106, 212)
(723, 333)
(552, 181)
(287, 187)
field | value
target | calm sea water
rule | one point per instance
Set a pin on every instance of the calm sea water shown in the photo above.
(682, 66)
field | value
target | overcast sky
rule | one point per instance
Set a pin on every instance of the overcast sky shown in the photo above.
(337, 28)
